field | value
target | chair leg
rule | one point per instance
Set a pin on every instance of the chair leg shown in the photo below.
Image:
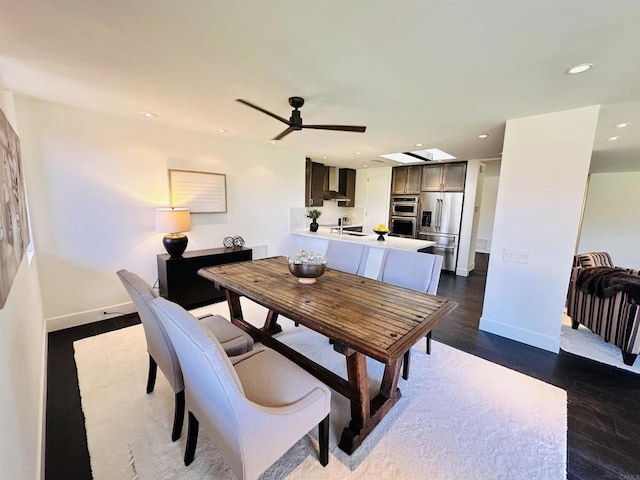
(574, 324)
(178, 416)
(428, 337)
(405, 365)
(151, 379)
(192, 439)
(629, 358)
(323, 441)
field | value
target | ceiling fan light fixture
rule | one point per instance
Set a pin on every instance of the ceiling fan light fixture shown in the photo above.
(580, 68)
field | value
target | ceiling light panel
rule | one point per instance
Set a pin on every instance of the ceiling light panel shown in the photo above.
(402, 158)
(581, 68)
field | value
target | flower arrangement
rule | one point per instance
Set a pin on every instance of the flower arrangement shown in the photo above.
(314, 214)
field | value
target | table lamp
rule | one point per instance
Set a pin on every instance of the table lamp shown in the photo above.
(174, 222)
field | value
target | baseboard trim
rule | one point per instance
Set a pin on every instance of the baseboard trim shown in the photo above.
(464, 272)
(43, 408)
(521, 335)
(90, 316)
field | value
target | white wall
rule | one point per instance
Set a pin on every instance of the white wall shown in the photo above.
(22, 365)
(468, 224)
(373, 194)
(96, 179)
(612, 217)
(544, 169)
(488, 206)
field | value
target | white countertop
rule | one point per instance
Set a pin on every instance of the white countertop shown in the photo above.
(370, 240)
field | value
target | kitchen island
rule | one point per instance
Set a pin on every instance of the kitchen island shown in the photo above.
(318, 241)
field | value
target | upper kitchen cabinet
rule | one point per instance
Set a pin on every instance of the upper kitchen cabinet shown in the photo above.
(347, 186)
(444, 177)
(406, 180)
(314, 184)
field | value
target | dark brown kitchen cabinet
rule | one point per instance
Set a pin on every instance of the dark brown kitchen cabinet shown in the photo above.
(444, 177)
(406, 180)
(314, 183)
(347, 186)
(178, 278)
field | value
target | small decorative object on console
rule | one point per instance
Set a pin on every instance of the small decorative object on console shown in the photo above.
(381, 229)
(307, 266)
(233, 242)
(238, 241)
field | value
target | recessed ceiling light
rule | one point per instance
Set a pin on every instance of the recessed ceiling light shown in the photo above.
(611, 139)
(272, 141)
(222, 130)
(324, 158)
(484, 135)
(622, 125)
(357, 153)
(419, 144)
(365, 165)
(149, 114)
(583, 67)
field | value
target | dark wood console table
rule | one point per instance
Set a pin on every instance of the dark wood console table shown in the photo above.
(179, 281)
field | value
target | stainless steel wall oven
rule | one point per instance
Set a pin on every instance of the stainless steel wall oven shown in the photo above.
(406, 206)
(403, 226)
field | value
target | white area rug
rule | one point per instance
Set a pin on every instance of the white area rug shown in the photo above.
(460, 417)
(587, 344)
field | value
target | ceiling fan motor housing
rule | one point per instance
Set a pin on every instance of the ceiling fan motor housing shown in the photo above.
(296, 102)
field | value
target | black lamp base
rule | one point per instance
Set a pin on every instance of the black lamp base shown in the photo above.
(175, 244)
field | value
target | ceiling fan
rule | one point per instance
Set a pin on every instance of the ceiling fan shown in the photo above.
(295, 122)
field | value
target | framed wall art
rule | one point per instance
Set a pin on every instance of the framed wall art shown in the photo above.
(200, 192)
(14, 224)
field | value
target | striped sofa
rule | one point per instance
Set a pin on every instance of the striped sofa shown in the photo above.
(616, 318)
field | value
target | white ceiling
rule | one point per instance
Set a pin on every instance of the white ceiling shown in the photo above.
(433, 72)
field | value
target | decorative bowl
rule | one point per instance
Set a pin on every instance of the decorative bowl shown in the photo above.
(307, 266)
(381, 234)
(307, 272)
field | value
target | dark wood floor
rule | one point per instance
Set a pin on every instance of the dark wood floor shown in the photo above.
(603, 408)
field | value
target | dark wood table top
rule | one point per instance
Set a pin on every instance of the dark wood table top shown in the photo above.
(379, 320)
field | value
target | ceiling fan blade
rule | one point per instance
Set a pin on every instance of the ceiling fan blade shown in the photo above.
(344, 128)
(284, 133)
(260, 109)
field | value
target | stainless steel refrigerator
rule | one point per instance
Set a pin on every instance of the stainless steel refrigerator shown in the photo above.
(440, 222)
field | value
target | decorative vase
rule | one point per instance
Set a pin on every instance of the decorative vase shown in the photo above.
(314, 226)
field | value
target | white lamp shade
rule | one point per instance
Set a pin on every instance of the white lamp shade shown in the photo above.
(173, 220)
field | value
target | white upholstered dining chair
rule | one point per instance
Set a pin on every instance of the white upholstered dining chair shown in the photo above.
(253, 410)
(346, 256)
(414, 270)
(160, 349)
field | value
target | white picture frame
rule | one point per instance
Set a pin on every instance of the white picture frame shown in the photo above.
(200, 192)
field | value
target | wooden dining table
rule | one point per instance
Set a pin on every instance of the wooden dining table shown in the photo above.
(362, 318)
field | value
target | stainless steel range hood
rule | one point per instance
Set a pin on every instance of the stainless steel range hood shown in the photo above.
(333, 192)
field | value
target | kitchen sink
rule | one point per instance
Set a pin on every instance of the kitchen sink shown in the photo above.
(355, 234)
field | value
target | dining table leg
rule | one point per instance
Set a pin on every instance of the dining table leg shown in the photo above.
(365, 413)
(235, 308)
